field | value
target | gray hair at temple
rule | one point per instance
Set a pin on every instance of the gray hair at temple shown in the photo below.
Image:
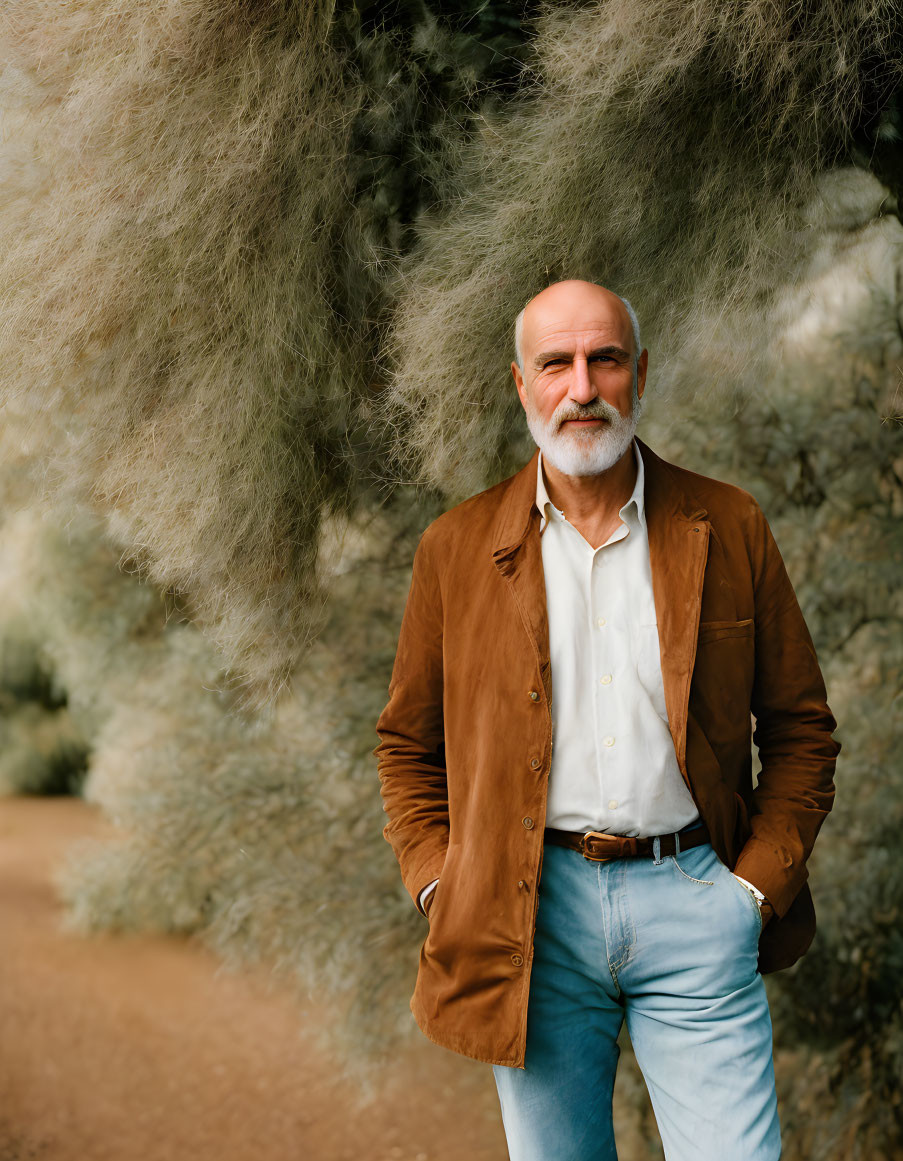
(634, 322)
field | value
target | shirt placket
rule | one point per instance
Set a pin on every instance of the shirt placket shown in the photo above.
(604, 675)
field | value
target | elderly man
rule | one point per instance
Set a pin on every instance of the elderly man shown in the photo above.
(565, 761)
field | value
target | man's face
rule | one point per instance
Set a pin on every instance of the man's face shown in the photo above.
(581, 384)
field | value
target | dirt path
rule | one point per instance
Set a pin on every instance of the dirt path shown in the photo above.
(136, 1049)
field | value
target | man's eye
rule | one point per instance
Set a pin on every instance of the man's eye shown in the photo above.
(552, 363)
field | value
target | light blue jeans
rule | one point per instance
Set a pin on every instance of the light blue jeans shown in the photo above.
(672, 946)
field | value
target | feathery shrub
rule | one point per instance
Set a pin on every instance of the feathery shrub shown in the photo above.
(259, 264)
(666, 150)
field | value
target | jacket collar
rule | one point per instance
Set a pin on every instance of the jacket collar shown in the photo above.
(665, 495)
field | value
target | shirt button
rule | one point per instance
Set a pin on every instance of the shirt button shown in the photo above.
(606, 680)
(600, 621)
(609, 741)
(535, 763)
(533, 695)
(528, 822)
(517, 959)
(613, 805)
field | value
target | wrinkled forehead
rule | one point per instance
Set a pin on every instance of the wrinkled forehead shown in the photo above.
(574, 328)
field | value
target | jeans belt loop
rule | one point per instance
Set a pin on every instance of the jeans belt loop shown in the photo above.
(676, 845)
(657, 850)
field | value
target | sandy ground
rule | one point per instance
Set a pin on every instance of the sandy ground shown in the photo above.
(140, 1049)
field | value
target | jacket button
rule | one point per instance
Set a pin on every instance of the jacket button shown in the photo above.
(521, 883)
(517, 959)
(533, 695)
(535, 763)
(528, 822)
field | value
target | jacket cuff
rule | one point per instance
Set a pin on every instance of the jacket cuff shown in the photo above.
(774, 873)
(424, 895)
(419, 875)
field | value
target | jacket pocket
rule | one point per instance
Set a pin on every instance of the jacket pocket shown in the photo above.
(721, 630)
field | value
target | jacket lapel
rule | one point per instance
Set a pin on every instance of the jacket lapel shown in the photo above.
(518, 557)
(678, 546)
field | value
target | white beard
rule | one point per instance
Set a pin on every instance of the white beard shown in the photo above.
(587, 451)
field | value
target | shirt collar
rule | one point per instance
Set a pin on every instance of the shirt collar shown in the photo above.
(635, 502)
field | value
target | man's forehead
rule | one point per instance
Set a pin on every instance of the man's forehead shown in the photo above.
(579, 334)
(575, 312)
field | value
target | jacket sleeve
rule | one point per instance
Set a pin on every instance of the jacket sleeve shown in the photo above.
(793, 732)
(411, 751)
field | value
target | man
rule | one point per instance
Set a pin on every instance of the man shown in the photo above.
(602, 854)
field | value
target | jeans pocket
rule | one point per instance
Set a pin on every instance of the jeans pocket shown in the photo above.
(697, 865)
(688, 877)
(751, 900)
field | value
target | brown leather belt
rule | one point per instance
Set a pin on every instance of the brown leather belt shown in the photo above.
(602, 848)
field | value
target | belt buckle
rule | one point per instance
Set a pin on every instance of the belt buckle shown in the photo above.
(603, 838)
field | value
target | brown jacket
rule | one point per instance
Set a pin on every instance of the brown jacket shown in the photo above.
(466, 737)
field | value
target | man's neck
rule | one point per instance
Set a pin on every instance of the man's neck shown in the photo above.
(592, 503)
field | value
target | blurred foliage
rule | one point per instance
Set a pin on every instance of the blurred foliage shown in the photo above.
(41, 751)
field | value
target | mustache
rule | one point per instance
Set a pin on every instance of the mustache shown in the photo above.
(599, 409)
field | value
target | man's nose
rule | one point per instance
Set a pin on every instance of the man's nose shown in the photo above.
(582, 389)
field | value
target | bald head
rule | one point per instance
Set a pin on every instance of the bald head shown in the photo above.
(575, 304)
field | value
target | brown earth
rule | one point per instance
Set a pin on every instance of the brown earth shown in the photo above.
(128, 1048)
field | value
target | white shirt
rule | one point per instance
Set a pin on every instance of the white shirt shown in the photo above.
(614, 768)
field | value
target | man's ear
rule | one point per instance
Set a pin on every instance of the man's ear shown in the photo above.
(519, 383)
(641, 368)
